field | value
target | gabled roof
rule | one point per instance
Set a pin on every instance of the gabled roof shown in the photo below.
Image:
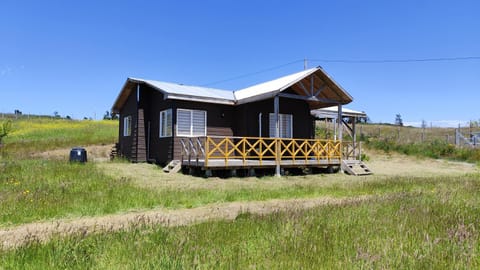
(270, 88)
(181, 91)
(175, 91)
(312, 85)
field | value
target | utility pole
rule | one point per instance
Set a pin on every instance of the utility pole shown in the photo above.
(305, 63)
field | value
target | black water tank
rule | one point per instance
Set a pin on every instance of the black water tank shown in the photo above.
(78, 154)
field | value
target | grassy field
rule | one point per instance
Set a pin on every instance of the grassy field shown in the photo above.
(29, 136)
(424, 214)
(430, 228)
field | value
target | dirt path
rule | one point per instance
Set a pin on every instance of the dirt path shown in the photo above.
(96, 153)
(43, 231)
(151, 176)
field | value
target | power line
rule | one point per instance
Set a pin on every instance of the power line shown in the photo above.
(411, 60)
(254, 73)
(347, 61)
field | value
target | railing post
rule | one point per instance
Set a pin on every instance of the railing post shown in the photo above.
(244, 154)
(207, 150)
(277, 157)
(276, 107)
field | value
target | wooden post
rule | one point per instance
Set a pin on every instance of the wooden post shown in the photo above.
(457, 137)
(276, 108)
(334, 129)
(354, 131)
(339, 123)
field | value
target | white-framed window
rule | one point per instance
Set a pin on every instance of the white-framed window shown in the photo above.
(127, 126)
(191, 122)
(286, 125)
(165, 123)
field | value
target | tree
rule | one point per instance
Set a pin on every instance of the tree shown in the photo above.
(110, 116)
(5, 128)
(424, 124)
(398, 120)
(107, 116)
(56, 114)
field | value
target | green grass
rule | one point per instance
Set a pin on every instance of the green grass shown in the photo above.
(34, 135)
(428, 222)
(426, 229)
(32, 190)
(434, 149)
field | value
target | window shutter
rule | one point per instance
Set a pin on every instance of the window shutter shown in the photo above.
(198, 123)
(285, 122)
(271, 125)
(286, 125)
(183, 122)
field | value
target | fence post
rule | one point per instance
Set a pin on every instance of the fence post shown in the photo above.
(457, 137)
(360, 151)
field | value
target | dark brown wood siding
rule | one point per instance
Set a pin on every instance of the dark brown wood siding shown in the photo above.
(159, 150)
(222, 120)
(219, 120)
(126, 142)
(247, 117)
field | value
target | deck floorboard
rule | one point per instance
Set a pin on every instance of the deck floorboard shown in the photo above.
(239, 163)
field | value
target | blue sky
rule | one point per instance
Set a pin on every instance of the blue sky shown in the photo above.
(74, 56)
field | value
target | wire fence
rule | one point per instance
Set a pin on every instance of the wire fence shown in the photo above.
(463, 136)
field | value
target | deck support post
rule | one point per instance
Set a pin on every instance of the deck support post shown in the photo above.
(354, 136)
(340, 122)
(276, 109)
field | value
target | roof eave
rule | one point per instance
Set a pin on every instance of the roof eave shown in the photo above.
(116, 105)
(200, 99)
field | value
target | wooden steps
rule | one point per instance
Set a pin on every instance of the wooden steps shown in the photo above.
(355, 167)
(114, 151)
(173, 167)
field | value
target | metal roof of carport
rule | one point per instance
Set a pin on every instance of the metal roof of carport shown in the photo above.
(332, 112)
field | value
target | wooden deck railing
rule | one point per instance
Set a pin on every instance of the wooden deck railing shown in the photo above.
(259, 149)
(351, 150)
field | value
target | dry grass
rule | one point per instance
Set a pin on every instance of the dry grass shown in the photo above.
(43, 231)
(394, 164)
(383, 165)
(97, 153)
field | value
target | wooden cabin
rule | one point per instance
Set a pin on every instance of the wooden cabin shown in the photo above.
(268, 125)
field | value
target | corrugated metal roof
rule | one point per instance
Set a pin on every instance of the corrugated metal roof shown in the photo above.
(188, 90)
(272, 87)
(332, 112)
(332, 94)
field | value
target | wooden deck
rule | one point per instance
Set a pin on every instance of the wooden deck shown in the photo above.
(239, 163)
(213, 153)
